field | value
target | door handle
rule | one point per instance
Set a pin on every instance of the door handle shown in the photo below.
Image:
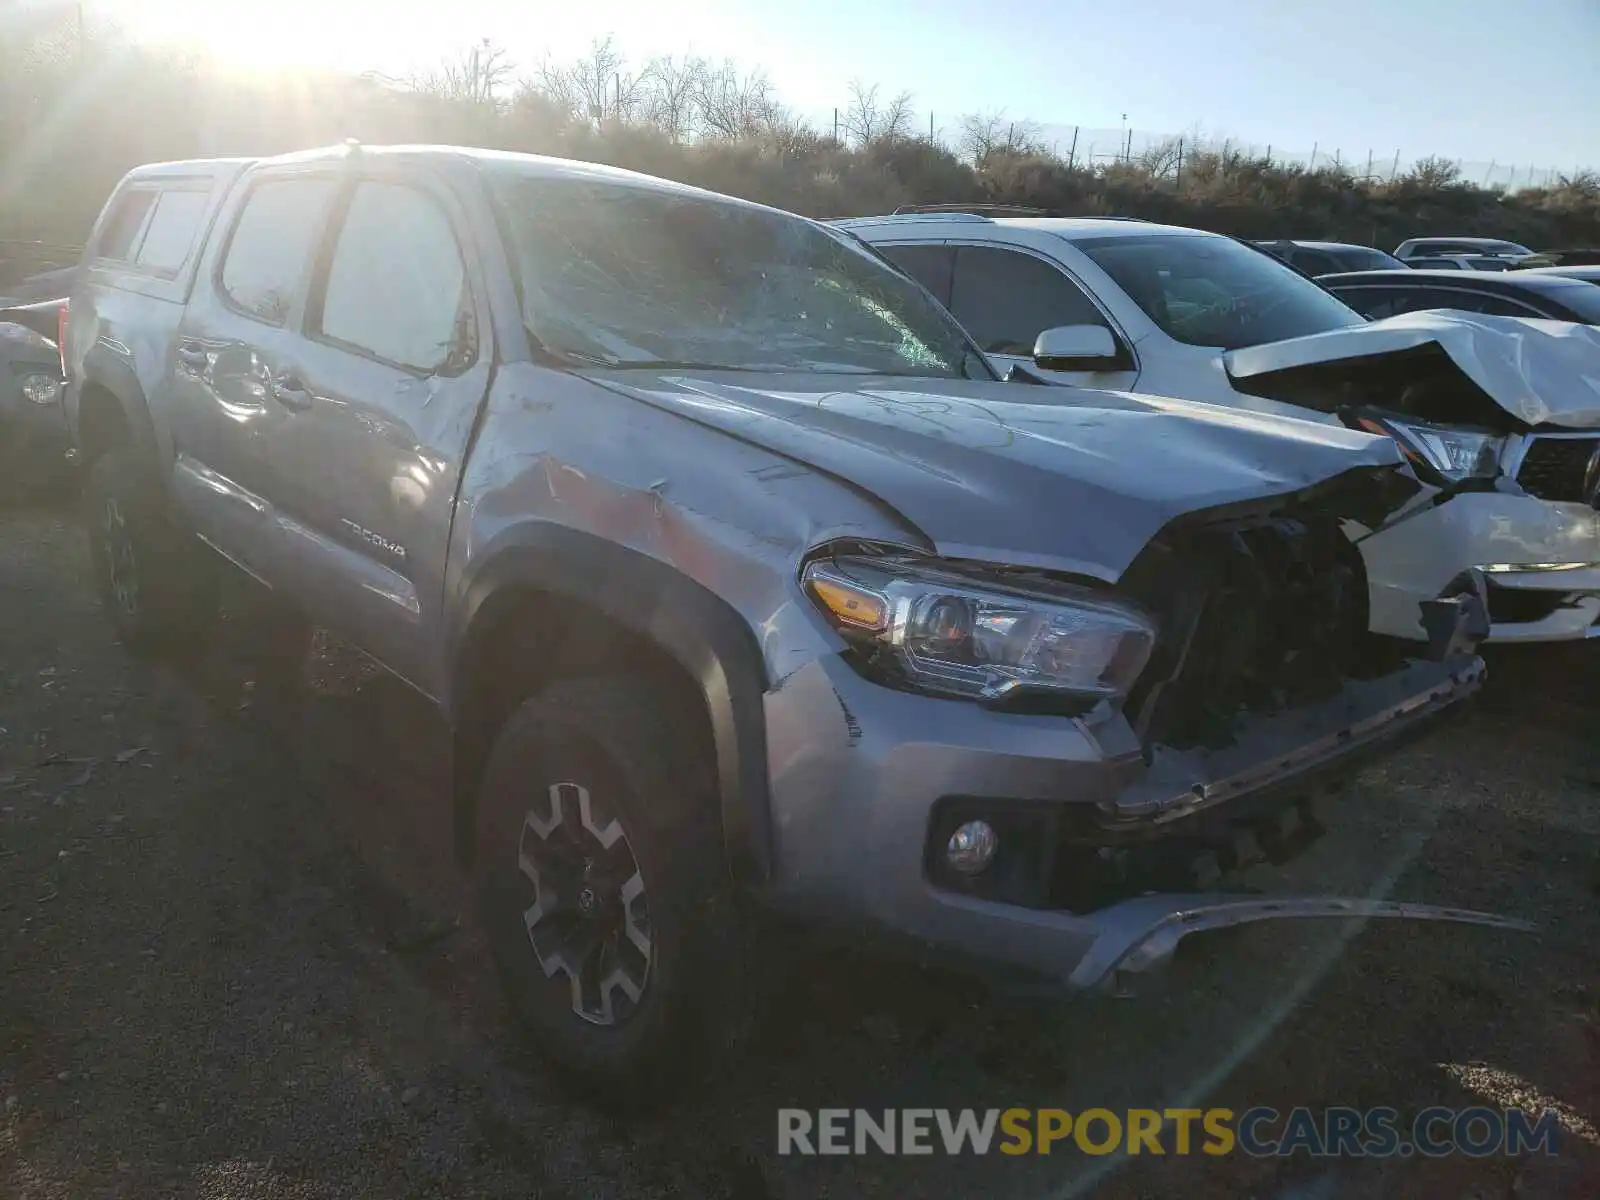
(291, 392)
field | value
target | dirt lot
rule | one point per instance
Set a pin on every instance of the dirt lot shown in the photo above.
(237, 964)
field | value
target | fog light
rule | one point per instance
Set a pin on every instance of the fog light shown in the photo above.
(41, 389)
(971, 847)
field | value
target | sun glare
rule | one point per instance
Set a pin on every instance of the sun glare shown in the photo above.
(398, 37)
(277, 35)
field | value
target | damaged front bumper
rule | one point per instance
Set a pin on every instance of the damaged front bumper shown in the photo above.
(1533, 529)
(868, 783)
(1277, 751)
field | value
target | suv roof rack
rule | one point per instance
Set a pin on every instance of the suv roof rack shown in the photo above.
(1002, 210)
(975, 210)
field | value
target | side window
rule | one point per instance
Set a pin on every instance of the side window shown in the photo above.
(1422, 299)
(272, 239)
(397, 287)
(931, 266)
(172, 230)
(1006, 299)
(1313, 262)
(1501, 306)
(1372, 302)
(122, 227)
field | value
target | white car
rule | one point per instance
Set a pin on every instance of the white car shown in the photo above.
(1460, 262)
(1499, 416)
(1460, 246)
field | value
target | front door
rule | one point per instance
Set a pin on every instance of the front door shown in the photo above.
(1005, 297)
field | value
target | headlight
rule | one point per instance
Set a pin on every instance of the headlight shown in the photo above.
(1446, 454)
(941, 629)
(41, 388)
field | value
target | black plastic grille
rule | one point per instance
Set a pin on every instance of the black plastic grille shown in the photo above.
(1556, 468)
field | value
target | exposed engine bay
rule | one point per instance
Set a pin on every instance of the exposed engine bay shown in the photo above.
(1256, 616)
(1264, 683)
(1263, 692)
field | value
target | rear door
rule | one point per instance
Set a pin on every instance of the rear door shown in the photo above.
(232, 358)
(388, 378)
(1005, 297)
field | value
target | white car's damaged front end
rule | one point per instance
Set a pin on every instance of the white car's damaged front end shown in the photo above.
(1500, 418)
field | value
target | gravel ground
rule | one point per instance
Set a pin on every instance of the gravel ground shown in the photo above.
(237, 963)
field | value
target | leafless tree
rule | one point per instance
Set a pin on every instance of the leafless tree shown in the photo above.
(1162, 158)
(671, 89)
(984, 135)
(478, 77)
(597, 86)
(554, 84)
(869, 119)
(733, 105)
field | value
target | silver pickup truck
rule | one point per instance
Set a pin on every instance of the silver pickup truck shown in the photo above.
(737, 573)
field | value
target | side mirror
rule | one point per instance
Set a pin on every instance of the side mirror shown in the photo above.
(1077, 348)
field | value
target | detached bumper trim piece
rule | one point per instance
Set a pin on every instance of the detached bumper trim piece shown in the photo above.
(1294, 755)
(1144, 933)
(1536, 568)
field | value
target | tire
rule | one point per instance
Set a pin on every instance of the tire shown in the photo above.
(592, 812)
(157, 584)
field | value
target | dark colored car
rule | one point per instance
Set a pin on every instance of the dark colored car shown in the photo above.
(32, 421)
(33, 433)
(1536, 293)
(46, 285)
(1325, 258)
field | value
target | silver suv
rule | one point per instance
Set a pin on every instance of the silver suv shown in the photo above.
(736, 571)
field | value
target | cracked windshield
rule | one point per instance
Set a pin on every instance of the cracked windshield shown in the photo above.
(629, 277)
(755, 603)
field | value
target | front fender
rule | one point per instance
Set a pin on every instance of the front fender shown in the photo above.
(699, 630)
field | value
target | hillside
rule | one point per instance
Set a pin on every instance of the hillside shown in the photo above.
(78, 108)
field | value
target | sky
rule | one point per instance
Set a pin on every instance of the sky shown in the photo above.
(1508, 81)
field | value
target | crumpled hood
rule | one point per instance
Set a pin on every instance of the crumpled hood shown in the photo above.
(1543, 372)
(1066, 479)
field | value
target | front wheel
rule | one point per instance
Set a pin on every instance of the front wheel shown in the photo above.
(602, 887)
(155, 582)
